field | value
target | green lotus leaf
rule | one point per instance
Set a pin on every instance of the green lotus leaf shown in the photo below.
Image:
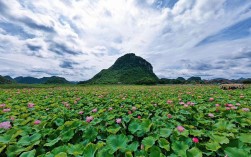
(165, 132)
(90, 150)
(61, 154)
(96, 121)
(90, 133)
(148, 142)
(67, 135)
(146, 125)
(75, 150)
(59, 121)
(133, 146)
(27, 140)
(14, 150)
(223, 125)
(246, 138)
(220, 139)
(134, 126)
(185, 112)
(104, 152)
(59, 149)
(113, 129)
(110, 117)
(29, 153)
(52, 142)
(180, 148)
(236, 152)
(213, 146)
(155, 151)
(26, 121)
(163, 143)
(117, 142)
(5, 139)
(194, 152)
(126, 119)
(196, 133)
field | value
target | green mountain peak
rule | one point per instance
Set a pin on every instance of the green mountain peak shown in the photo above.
(128, 69)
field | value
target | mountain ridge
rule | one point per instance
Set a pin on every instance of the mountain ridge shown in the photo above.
(127, 69)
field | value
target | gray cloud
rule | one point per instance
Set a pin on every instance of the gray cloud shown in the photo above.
(62, 49)
(68, 64)
(34, 47)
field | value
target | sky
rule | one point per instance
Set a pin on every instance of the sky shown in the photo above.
(76, 39)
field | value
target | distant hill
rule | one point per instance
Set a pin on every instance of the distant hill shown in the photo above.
(128, 69)
(56, 80)
(44, 80)
(4, 80)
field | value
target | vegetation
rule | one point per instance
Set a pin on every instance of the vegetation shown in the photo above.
(128, 69)
(4, 80)
(56, 80)
(105, 121)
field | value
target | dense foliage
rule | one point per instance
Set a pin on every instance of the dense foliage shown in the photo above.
(107, 121)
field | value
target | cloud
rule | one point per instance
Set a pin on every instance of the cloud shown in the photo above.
(68, 64)
(76, 39)
(236, 31)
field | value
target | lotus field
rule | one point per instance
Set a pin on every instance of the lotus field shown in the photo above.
(106, 121)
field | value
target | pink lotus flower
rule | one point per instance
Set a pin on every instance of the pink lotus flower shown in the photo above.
(2, 105)
(188, 103)
(5, 125)
(78, 99)
(37, 122)
(211, 115)
(242, 96)
(238, 104)
(228, 108)
(229, 105)
(118, 120)
(134, 108)
(12, 118)
(169, 102)
(6, 110)
(195, 140)
(110, 109)
(217, 105)
(89, 119)
(95, 110)
(181, 103)
(169, 116)
(80, 112)
(180, 128)
(192, 104)
(211, 99)
(185, 105)
(139, 117)
(245, 109)
(30, 105)
(129, 112)
(233, 107)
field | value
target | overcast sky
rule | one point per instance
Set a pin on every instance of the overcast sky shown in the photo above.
(76, 39)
